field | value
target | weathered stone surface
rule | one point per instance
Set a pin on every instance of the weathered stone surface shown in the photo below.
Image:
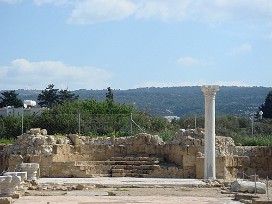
(5, 200)
(261, 201)
(57, 155)
(248, 186)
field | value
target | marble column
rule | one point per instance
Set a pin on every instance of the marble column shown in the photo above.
(209, 160)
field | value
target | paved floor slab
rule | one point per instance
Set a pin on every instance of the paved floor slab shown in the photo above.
(121, 200)
(149, 192)
(125, 181)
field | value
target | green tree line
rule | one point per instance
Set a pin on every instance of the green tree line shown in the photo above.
(66, 114)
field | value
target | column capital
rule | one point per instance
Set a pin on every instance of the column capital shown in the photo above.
(210, 90)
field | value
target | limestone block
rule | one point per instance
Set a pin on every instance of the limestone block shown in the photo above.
(222, 171)
(14, 160)
(176, 150)
(22, 175)
(45, 160)
(259, 151)
(189, 160)
(43, 132)
(220, 167)
(35, 131)
(45, 171)
(167, 149)
(258, 162)
(172, 171)
(75, 139)
(189, 172)
(5, 200)
(243, 161)
(61, 149)
(248, 186)
(261, 201)
(151, 149)
(199, 167)
(130, 149)
(122, 150)
(38, 141)
(180, 173)
(229, 161)
(31, 169)
(177, 159)
(61, 169)
(160, 149)
(8, 184)
(191, 150)
(267, 151)
(141, 149)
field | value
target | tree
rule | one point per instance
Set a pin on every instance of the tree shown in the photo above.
(48, 97)
(10, 98)
(65, 95)
(109, 94)
(266, 107)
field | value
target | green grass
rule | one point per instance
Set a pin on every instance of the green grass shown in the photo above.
(255, 140)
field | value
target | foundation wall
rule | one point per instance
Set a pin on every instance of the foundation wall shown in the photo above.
(96, 157)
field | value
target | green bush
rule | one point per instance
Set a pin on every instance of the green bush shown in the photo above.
(7, 141)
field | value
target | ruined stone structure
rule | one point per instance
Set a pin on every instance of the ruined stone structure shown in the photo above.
(141, 156)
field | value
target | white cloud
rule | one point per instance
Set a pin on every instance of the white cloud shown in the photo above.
(187, 61)
(244, 48)
(93, 11)
(54, 2)
(10, 1)
(269, 36)
(212, 11)
(164, 10)
(22, 73)
(217, 11)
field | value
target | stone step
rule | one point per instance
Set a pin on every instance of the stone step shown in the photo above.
(131, 158)
(131, 171)
(90, 163)
(130, 166)
(136, 167)
(130, 175)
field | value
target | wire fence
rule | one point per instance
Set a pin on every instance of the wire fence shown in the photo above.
(84, 124)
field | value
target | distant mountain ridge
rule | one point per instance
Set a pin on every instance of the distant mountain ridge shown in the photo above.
(177, 101)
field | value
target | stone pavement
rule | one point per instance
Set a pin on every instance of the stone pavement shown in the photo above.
(89, 197)
(125, 182)
(121, 200)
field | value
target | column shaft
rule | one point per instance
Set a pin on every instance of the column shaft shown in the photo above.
(209, 160)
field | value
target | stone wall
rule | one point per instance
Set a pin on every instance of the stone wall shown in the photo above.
(180, 157)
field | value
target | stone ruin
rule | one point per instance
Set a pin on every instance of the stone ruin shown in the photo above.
(143, 155)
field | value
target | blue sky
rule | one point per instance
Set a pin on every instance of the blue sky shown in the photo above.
(125, 44)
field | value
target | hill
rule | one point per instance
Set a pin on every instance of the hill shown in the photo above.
(177, 101)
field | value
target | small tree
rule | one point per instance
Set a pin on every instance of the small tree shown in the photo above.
(109, 94)
(65, 95)
(10, 98)
(49, 97)
(266, 107)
